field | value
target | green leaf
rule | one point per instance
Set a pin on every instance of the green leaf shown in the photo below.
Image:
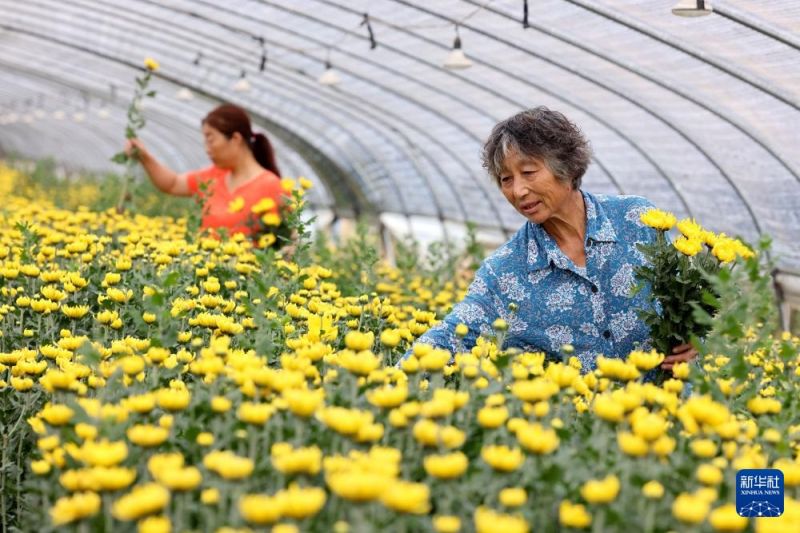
(171, 279)
(502, 360)
(710, 299)
(90, 356)
(787, 352)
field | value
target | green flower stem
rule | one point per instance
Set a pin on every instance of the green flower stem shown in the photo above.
(300, 433)
(125, 195)
(20, 470)
(352, 385)
(107, 503)
(180, 510)
(649, 517)
(3, 484)
(136, 122)
(44, 487)
(599, 521)
(253, 444)
(436, 381)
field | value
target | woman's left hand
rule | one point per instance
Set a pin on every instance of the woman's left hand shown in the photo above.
(680, 354)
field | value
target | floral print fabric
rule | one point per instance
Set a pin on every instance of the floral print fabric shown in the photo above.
(592, 307)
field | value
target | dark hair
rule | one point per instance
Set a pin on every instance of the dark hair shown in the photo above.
(542, 134)
(229, 119)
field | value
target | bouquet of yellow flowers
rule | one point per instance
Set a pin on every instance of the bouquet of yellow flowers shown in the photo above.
(678, 273)
(277, 223)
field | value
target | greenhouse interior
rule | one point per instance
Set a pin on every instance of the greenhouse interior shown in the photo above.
(352, 265)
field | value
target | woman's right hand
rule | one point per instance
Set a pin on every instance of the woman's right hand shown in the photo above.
(135, 148)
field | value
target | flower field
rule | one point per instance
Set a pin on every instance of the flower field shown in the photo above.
(151, 381)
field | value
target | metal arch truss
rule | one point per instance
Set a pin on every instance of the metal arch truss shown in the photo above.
(404, 136)
(347, 195)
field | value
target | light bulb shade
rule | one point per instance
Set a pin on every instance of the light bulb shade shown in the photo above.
(242, 85)
(456, 60)
(79, 116)
(103, 113)
(329, 77)
(59, 115)
(184, 94)
(692, 8)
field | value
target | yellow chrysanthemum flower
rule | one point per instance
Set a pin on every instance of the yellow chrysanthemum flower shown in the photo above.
(263, 205)
(573, 515)
(151, 64)
(658, 219)
(690, 509)
(236, 205)
(724, 250)
(688, 246)
(601, 490)
(690, 229)
(72, 508)
(271, 219)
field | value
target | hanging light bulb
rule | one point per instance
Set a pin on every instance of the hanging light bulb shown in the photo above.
(456, 59)
(59, 114)
(184, 94)
(39, 113)
(78, 116)
(103, 112)
(692, 8)
(242, 85)
(330, 77)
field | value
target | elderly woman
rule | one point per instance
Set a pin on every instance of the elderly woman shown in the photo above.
(568, 273)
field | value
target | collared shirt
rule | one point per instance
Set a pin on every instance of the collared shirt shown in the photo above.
(592, 307)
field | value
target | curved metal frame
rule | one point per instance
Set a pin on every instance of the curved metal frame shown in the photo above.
(723, 12)
(688, 51)
(368, 81)
(398, 118)
(364, 113)
(687, 96)
(722, 173)
(373, 118)
(539, 87)
(313, 156)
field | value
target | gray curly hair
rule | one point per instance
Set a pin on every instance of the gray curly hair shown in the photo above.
(539, 133)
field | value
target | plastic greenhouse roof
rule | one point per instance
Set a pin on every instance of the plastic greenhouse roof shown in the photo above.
(701, 115)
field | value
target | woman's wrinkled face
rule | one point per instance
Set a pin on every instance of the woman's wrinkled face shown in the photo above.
(220, 150)
(532, 188)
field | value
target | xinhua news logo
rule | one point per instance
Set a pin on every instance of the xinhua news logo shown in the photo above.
(759, 492)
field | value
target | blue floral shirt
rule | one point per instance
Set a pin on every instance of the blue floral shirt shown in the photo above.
(558, 302)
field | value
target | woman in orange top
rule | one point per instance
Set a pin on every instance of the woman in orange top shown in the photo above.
(243, 172)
